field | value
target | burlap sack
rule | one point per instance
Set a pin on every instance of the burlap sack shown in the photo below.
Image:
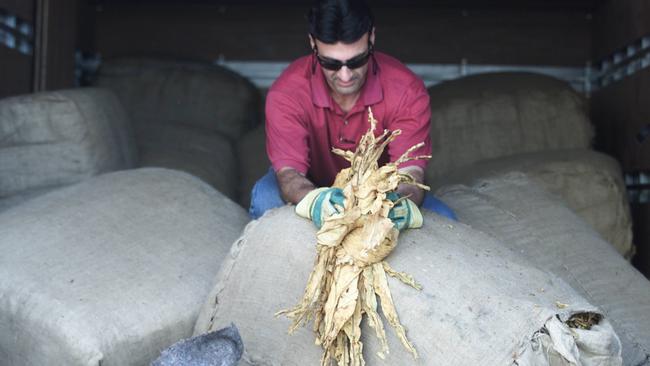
(492, 115)
(112, 270)
(166, 92)
(202, 153)
(481, 304)
(536, 224)
(590, 184)
(253, 162)
(22, 197)
(55, 138)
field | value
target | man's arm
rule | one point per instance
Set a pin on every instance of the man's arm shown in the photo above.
(416, 194)
(414, 120)
(293, 185)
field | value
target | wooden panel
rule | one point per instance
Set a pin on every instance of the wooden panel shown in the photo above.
(572, 4)
(424, 34)
(15, 67)
(619, 22)
(200, 32)
(86, 26)
(619, 111)
(62, 37)
(56, 28)
(15, 73)
(21, 8)
(485, 36)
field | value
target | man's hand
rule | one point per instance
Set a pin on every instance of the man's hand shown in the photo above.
(414, 193)
(405, 214)
(320, 204)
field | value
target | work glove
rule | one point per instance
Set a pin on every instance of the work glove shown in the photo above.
(320, 204)
(405, 214)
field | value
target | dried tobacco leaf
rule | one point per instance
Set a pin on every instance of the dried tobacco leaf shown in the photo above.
(350, 271)
(584, 320)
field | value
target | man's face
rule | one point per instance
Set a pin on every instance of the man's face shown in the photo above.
(345, 81)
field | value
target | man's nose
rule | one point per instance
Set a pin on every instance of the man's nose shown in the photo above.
(345, 74)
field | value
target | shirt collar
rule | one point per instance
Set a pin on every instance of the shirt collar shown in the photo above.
(371, 92)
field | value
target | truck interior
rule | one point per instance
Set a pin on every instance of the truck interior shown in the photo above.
(557, 90)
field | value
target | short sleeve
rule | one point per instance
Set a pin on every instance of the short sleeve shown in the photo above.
(286, 133)
(413, 117)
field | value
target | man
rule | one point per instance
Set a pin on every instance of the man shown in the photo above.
(321, 102)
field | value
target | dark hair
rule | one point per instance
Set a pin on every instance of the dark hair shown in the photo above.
(346, 21)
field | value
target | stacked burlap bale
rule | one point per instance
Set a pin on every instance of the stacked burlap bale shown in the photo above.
(481, 303)
(195, 105)
(525, 218)
(589, 183)
(528, 122)
(112, 270)
(202, 153)
(186, 93)
(500, 114)
(19, 198)
(52, 139)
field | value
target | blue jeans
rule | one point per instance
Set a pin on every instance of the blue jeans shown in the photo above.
(266, 195)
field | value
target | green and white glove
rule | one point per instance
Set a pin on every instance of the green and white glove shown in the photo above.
(320, 204)
(405, 214)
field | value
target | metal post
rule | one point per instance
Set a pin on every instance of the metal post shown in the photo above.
(40, 44)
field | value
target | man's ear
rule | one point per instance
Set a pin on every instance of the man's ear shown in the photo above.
(371, 39)
(312, 42)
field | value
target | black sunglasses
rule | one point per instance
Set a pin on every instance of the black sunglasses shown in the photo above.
(336, 65)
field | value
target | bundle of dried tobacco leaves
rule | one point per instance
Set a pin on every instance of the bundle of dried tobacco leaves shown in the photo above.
(350, 270)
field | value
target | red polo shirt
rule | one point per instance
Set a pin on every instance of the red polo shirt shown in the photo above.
(303, 123)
